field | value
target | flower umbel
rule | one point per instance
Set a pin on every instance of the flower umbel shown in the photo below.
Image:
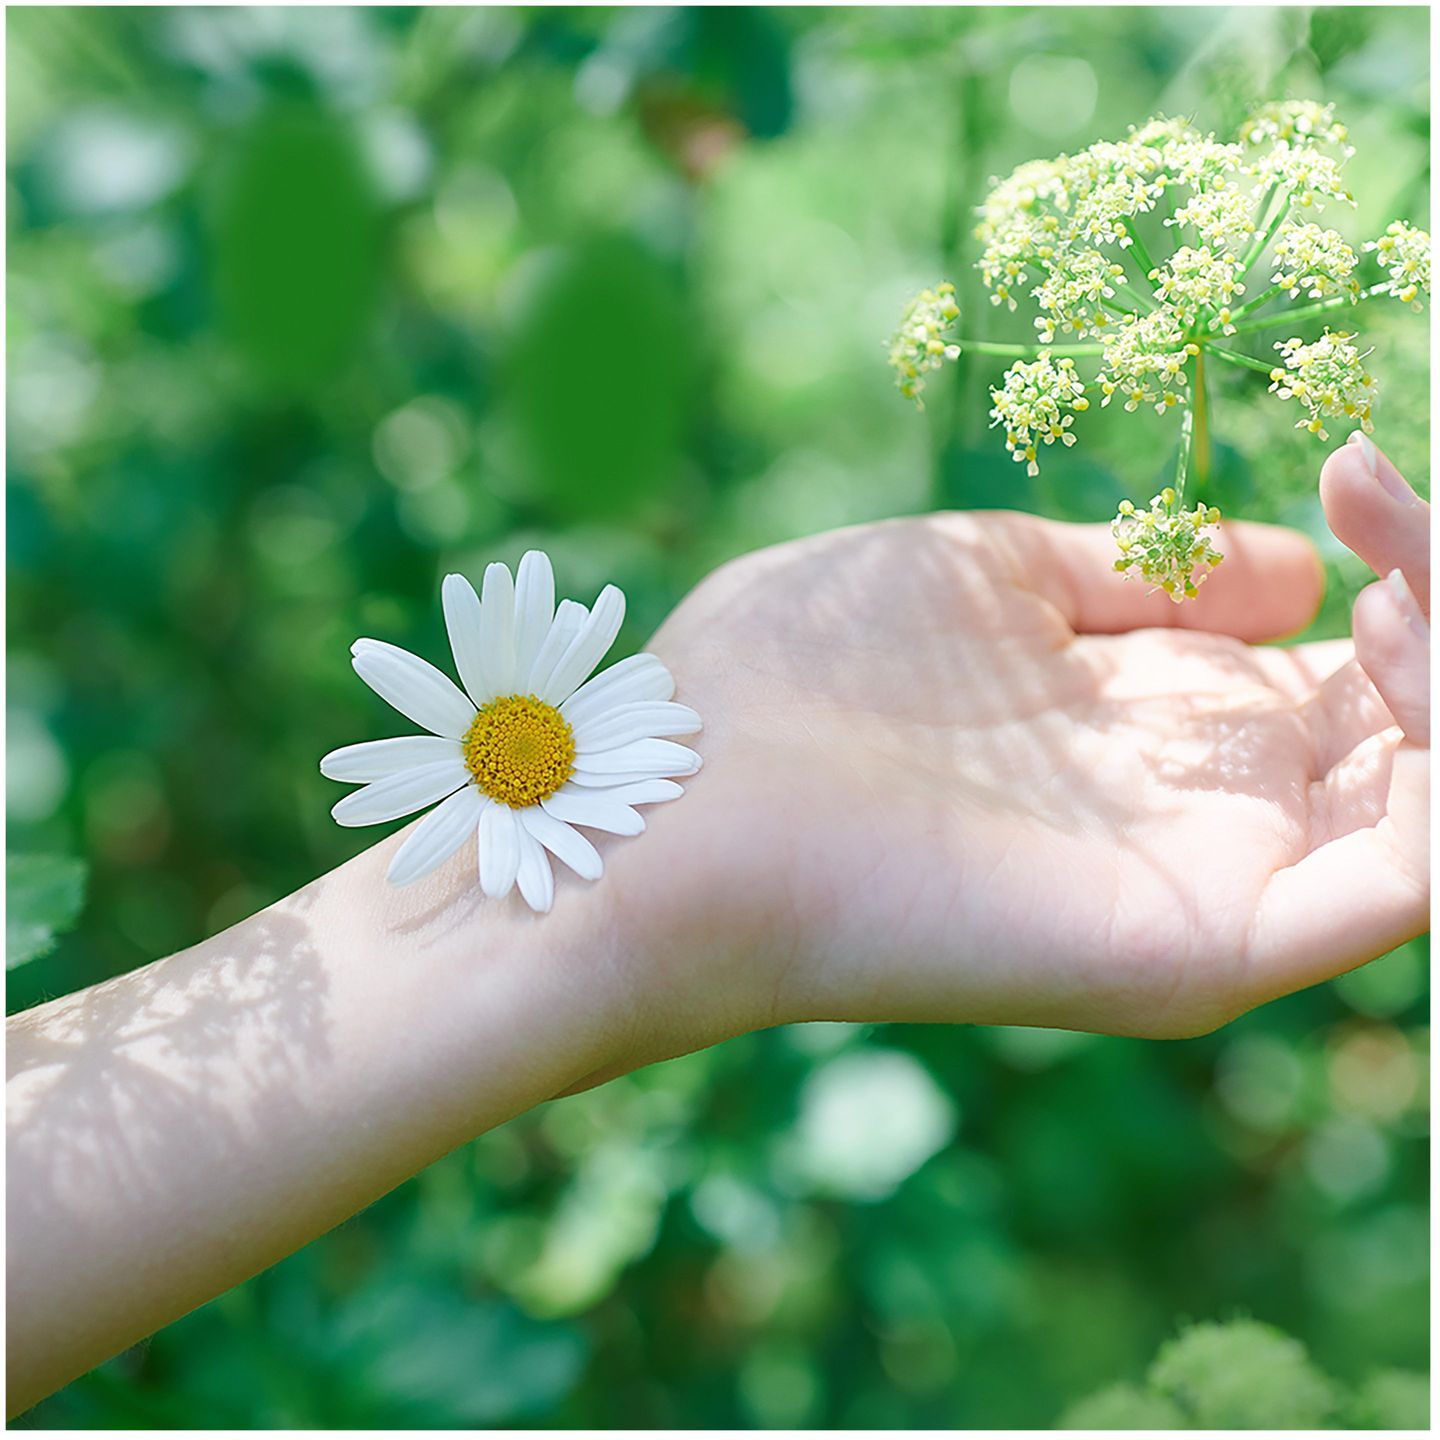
(1166, 544)
(1035, 404)
(919, 344)
(1404, 251)
(1072, 234)
(530, 749)
(1328, 378)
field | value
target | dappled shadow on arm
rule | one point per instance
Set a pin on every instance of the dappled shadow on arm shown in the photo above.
(108, 1087)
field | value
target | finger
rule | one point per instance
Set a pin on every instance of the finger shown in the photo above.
(1270, 584)
(1392, 645)
(1376, 514)
(1298, 671)
(1350, 899)
(1345, 710)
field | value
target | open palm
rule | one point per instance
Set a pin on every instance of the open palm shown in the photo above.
(959, 770)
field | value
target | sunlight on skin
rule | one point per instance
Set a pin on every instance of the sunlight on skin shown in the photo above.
(955, 770)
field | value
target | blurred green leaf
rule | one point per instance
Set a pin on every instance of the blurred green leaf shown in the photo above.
(44, 894)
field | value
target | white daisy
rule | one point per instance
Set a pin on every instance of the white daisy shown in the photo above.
(530, 748)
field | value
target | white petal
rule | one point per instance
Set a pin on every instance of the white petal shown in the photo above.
(570, 616)
(589, 780)
(588, 648)
(413, 686)
(563, 842)
(462, 623)
(535, 877)
(375, 759)
(642, 792)
(634, 679)
(497, 628)
(641, 757)
(437, 837)
(401, 794)
(534, 609)
(594, 809)
(647, 719)
(499, 850)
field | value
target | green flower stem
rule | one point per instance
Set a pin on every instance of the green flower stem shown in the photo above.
(1182, 465)
(1148, 301)
(1267, 234)
(1142, 255)
(1025, 352)
(1321, 307)
(1200, 428)
(1258, 301)
(1234, 357)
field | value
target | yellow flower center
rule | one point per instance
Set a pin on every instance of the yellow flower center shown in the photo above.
(519, 750)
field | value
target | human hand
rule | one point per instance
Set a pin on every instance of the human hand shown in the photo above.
(958, 770)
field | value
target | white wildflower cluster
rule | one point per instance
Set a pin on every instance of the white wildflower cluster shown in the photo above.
(1404, 251)
(920, 342)
(1196, 283)
(1072, 236)
(1166, 544)
(1309, 177)
(1296, 122)
(1314, 260)
(1223, 218)
(1145, 360)
(1073, 299)
(1328, 378)
(1035, 406)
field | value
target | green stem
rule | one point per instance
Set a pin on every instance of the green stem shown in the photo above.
(1026, 352)
(1267, 234)
(1182, 465)
(1200, 441)
(1234, 357)
(1258, 301)
(1142, 255)
(1148, 301)
(1321, 307)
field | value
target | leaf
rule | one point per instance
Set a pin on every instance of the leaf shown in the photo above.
(45, 893)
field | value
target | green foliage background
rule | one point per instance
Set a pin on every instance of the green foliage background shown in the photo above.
(308, 306)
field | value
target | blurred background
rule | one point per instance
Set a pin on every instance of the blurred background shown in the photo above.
(309, 306)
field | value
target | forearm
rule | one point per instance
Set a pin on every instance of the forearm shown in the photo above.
(177, 1129)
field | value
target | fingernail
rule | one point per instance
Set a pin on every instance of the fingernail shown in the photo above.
(1405, 602)
(1391, 481)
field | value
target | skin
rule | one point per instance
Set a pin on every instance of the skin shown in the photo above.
(956, 769)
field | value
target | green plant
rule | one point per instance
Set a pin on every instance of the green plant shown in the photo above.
(1066, 233)
(1244, 1375)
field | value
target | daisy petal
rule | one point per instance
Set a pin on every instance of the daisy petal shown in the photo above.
(629, 681)
(641, 757)
(570, 616)
(563, 842)
(497, 628)
(647, 719)
(375, 759)
(499, 850)
(594, 809)
(535, 877)
(589, 780)
(437, 837)
(462, 623)
(414, 687)
(643, 792)
(401, 794)
(588, 648)
(534, 609)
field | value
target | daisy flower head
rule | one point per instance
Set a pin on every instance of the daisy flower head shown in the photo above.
(1404, 251)
(530, 748)
(920, 344)
(1328, 378)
